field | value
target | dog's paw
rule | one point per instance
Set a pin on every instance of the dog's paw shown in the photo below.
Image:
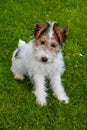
(20, 78)
(41, 102)
(64, 98)
(40, 97)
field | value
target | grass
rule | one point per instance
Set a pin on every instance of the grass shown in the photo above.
(18, 110)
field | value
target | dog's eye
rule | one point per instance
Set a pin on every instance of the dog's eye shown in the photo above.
(53, 45)
(42, 42)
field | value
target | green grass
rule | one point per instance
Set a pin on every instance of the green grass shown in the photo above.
(18, 110)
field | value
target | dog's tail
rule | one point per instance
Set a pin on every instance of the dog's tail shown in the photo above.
(21, 44)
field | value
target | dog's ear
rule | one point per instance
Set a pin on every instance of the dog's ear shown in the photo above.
(61, 33)
(39, 28)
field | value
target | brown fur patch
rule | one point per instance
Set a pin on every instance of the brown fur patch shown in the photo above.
(39, 28)
(42, 40)
(61, 33)
(45, 43)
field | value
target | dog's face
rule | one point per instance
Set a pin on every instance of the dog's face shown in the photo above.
(48, 41)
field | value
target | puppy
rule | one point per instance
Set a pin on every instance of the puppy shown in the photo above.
(42, 59)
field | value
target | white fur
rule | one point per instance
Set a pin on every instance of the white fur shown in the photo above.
(51, 29)
(28, 62)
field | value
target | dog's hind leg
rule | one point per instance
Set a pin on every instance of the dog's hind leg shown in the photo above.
(17, 71)
(17, 65)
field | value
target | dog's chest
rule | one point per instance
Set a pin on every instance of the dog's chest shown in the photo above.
(41, 69)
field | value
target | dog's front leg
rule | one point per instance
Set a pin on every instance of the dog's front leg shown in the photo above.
(40, 90)
(58, 88)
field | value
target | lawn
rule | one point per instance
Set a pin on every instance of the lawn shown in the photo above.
(18, 109)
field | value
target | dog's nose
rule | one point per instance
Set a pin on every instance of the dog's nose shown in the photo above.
(44, 59)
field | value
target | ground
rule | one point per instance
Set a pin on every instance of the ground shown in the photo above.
(18, 109)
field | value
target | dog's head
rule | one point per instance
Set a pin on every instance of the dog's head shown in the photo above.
(49, 39)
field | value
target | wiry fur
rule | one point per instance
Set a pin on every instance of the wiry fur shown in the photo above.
(27, 60)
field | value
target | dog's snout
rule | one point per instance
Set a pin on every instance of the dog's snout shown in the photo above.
(44, 59)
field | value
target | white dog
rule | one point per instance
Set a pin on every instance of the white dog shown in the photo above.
(42, 58)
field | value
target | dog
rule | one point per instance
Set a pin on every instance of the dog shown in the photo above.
(42, 59)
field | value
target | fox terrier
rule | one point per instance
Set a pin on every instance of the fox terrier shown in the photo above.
(42, 58)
